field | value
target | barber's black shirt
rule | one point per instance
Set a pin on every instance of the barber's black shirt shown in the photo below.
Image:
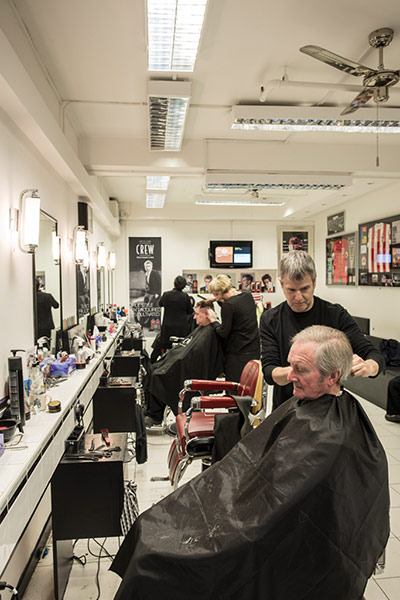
(278, 325)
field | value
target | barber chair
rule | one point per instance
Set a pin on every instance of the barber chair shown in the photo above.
(195, 428)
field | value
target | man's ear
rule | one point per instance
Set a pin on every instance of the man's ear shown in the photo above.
(280, 281)
(334, 377)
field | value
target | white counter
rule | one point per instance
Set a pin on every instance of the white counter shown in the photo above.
(25, 473)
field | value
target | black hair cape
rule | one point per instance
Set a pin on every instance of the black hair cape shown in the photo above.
(298, 510)
(198, 357)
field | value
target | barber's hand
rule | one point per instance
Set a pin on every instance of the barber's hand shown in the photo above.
(280, 375)
(363, 368)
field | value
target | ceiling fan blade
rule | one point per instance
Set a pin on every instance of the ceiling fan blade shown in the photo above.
(334, 60)
(358, 101)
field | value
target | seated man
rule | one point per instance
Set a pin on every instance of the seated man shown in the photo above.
(298, 509)
(199, 356)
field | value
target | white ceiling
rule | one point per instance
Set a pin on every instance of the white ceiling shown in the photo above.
(93, 53)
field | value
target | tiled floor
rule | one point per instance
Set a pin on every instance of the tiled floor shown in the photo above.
(82, 582)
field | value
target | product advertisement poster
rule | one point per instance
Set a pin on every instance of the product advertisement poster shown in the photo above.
(341, 260)
(379, 251)
(145, 283)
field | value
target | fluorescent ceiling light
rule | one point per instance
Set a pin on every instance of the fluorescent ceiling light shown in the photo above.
(219, 181)
(168, 104)
(155, 200)
(157, 182)
(316, 118)
(237, 202)
(174, 30)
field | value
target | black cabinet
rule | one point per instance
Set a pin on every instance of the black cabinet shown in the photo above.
(125, 365)
(132, 344)
(87, 500)
(114, 405)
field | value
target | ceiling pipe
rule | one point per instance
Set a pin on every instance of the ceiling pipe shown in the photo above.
(287, 83)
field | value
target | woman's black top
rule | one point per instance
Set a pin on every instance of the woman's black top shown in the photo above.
(238, 327)
(177, 307)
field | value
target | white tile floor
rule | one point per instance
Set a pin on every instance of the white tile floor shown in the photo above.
(82, 582)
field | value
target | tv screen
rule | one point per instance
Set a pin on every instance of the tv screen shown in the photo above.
(231, 254)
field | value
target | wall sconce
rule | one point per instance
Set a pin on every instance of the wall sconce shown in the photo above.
(55, 245)
(111, 261)
(30, 217)
(101, 256)
(81, 251)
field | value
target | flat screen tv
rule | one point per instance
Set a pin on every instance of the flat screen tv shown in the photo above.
(229, 254)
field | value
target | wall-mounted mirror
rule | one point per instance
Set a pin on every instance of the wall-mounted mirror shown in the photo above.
(47, 282)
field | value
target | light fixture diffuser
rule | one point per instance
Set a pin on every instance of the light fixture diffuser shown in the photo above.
(316, 118)
(157, 182)
(111, 261)
(168, 104)
(155, 200)
(30, 217)
(173, 31)
(101, 256)
(237, 202)
(220, 181)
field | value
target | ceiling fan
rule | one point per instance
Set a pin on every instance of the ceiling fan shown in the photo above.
(376, 81)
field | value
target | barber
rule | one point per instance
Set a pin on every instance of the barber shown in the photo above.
(302, 309)
(238, 328)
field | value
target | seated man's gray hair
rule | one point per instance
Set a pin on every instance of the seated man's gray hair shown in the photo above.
(297, 264)
(334, 351)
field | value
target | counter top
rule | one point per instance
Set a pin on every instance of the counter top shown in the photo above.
(25, 471)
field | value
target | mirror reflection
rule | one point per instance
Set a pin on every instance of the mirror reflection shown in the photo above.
(47, 282)
(100, 290)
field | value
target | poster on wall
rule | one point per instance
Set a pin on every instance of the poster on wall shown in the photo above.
(295, 240)
(379, 252)
(335, 223)
(253, 280)
(82, 290)
(145, 283)
(341, 260)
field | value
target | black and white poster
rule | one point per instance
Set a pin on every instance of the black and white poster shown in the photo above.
(145, 282)
(82, 290)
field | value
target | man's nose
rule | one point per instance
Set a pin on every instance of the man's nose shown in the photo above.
(291, 376)
(298, 295)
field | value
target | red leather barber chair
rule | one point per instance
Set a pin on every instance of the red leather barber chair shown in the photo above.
(195, 428)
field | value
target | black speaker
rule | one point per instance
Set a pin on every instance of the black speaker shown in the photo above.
(85, 216)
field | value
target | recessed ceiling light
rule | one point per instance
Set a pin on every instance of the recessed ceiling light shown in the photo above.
(173, 31)
(155, 200)
(157, 182)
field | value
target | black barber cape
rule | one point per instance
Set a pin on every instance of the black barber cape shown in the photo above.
(298, 510)
(199, 357)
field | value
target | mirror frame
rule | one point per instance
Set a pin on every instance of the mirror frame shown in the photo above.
(35, 323)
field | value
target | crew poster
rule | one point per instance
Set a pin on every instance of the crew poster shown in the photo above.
(145, 282)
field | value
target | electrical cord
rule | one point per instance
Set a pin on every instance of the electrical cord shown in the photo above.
(6, 586)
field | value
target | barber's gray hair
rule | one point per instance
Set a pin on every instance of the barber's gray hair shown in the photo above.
(334, 352)
(297, 264)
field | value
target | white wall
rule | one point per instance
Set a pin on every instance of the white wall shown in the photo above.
(185, 247)
(185, 243)
(21, 167)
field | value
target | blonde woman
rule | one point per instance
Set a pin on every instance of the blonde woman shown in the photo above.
(238, 328)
